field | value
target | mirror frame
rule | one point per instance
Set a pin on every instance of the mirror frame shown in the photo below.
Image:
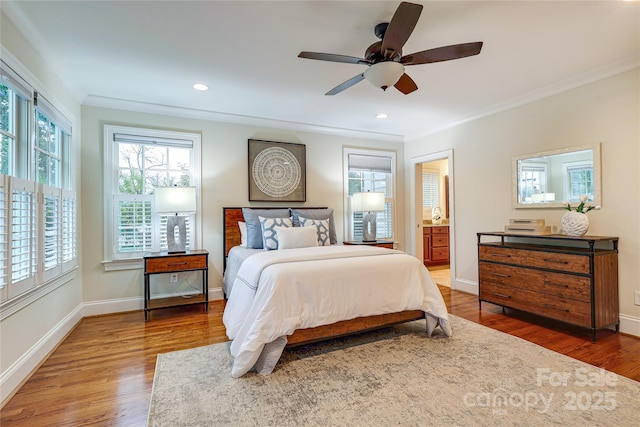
(560, 204)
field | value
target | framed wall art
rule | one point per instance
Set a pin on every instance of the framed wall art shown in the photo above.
(277, 171)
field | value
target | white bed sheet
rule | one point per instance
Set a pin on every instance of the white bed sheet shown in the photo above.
(276, 292)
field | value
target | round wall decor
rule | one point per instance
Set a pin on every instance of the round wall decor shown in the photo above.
(276, 172)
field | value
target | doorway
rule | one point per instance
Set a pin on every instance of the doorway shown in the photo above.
(433, 239)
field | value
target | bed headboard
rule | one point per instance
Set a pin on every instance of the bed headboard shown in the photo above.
(231, 231)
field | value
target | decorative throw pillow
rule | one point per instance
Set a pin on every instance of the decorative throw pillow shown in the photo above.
(243, 233)
(254, 229)
(269, 230)
(297, 237)
(322, 228)
(317, 214)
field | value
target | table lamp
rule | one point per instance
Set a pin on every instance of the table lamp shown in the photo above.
(369, 202)
(175, 200)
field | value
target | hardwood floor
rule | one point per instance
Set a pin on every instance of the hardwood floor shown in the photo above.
(102, 373)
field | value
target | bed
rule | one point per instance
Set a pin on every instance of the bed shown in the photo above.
(278, 298)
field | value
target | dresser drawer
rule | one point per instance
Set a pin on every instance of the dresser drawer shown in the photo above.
(551, 283)
(553, 261)
(440, 254)
(576, 312)
(175, 263)
(440, 230)
(439, 240)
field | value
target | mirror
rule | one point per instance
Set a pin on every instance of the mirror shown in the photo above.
(552, 179)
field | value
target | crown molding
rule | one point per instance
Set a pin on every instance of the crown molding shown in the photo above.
(566, 85)
(192, 113)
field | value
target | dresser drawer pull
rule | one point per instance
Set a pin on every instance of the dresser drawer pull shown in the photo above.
(502, 255)
(560, 285)
(500, 274)
(176, 264)
(501, 295)
(556, 308)
(555, 261)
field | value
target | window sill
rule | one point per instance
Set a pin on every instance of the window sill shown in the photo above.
(123, 264)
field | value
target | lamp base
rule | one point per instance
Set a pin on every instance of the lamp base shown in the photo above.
(369, 227)
(173, 246)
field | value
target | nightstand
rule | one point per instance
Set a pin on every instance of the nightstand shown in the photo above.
(163, 263)
(380, 243)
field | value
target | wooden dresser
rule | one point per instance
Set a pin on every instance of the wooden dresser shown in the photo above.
(435, 241)
(571, 279)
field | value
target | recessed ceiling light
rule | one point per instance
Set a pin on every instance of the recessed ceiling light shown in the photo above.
(381, 116)
(200, 86)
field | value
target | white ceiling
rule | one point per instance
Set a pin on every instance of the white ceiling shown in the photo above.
(145, 55)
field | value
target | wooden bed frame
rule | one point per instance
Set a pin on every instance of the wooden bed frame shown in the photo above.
(231, 216)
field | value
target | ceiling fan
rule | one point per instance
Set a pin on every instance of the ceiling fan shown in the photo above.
(384, 58)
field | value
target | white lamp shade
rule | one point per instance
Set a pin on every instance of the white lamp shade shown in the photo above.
(175, 199)
(367, 202)
(384, 74)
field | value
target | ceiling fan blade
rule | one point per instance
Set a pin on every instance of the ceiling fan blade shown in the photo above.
(346, 85)
(406, 84)
(439, 54)
(400, 28)
(332, 57)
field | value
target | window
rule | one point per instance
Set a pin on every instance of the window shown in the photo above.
(533, 180)
(369, 170)
(430, 188)
(35, 187)
(579, 180)
(138, 161)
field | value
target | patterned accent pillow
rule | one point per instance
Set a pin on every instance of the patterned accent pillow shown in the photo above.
(254, 230)
(317, 214)
(269, 230)
(322, 225)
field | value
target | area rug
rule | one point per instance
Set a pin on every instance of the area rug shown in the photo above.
(395, 377)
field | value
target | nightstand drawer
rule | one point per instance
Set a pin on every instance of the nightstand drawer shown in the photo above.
(175, 263)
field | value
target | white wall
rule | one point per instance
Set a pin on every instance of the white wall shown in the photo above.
(28, 335)
(224, 183)
(607, 111)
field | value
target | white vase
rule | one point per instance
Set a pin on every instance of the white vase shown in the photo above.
(575, 223)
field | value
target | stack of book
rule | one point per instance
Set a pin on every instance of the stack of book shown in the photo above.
(528, 227)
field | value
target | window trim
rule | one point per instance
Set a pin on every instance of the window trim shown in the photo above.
(348, 232)
(22, 175)
(111, 262)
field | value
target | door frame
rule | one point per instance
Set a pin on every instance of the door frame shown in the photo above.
(416, 208)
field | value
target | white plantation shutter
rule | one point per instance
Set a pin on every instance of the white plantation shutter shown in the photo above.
(430, 189)
(69, 233)
(4, 238)
(24, 235)
(134, 219)
(51, 215)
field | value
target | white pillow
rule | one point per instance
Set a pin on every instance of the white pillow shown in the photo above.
(297, 237)
(322, 226)
(243, 233)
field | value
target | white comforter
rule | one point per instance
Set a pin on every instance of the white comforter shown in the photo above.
(277, 292)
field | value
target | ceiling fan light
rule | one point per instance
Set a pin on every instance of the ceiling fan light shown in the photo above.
(384, 74)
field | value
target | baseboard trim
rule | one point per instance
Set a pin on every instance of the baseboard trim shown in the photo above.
(465, 286)
(630, 325)
(17, 374)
